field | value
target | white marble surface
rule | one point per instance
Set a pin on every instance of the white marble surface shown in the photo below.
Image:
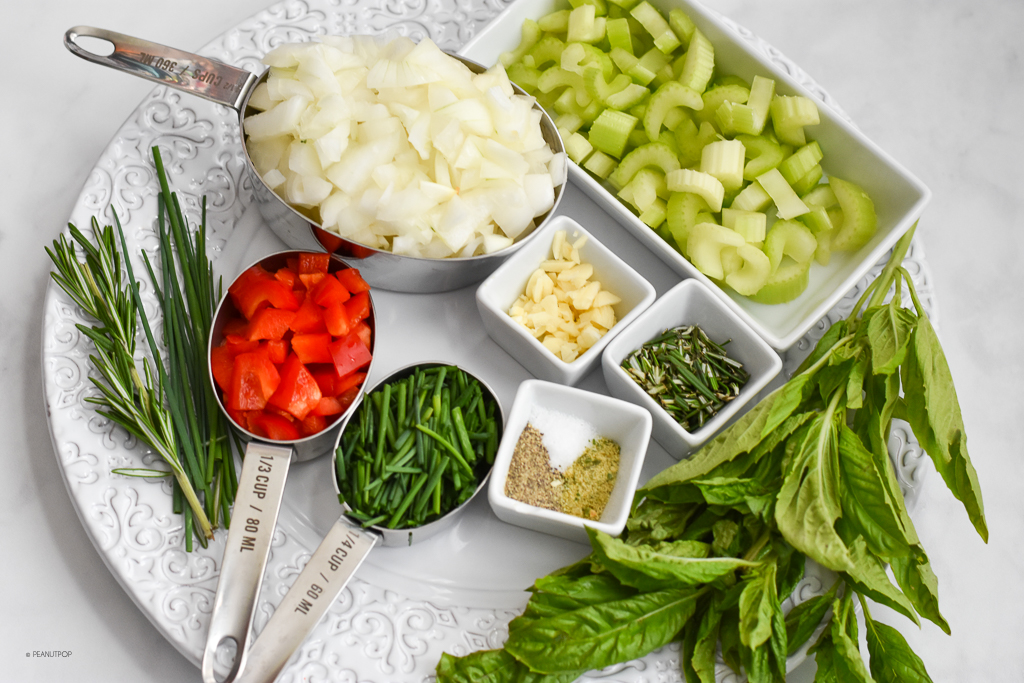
(939, 86)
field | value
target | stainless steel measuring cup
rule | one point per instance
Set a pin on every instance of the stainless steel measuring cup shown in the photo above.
(258, 501)
(335, 561)
(232, 87)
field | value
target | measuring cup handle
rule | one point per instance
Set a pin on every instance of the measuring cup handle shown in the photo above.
(320, 582)
(253, 518)
(200, 76)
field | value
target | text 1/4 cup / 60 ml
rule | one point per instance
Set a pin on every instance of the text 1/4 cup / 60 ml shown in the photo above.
(341, 552)
(260, 489)
(233, 87)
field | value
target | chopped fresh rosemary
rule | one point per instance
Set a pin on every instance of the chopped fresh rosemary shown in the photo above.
(173, 409)
(689, 375)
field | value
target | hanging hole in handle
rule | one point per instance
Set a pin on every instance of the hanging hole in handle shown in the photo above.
(100, 47)
(227, 657)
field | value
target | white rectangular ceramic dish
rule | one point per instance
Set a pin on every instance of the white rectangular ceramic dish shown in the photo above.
(899, 197)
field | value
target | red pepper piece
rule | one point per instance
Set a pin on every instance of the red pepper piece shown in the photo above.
(236, 327)
(329, 291)
(354, 379)
(363, 331)
(309, 318)
(358, 307)
(352, 280)
(276, 427)
(328, 405)
(277, 350)
(326, 378)
(313, 348)
(222, 360)
(254, 380)
(287, 277)
(270, 323)
(336, 319)
(309, 281)
(298, 392)
(248, 278)
(349, 354)
(314, 263)
(313, 424)
(263, 293)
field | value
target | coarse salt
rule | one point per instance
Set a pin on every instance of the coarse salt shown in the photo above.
(565, 437)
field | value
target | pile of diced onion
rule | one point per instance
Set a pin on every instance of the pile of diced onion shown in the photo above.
(400, 147)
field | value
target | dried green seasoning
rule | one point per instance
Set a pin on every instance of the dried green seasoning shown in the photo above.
(588, 483)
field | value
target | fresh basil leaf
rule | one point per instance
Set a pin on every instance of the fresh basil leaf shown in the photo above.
(494, 666)
(702, 660)
(791, 563)
(786, 400)
(807, 505)
(726, 535)
(934, 414)
(656, 520)
(601, 635)
(702, 526)
(849, 665)
(855, 383)
(777, 436)
(892, 660)
(868, 577)
(756, 606)
(553, 595)
(889, 328)
(757, 663)
(668, 564)
(687, 644)
(865, 499)
(831, 378)
(778, 642)
(730, 491)
(804, 619)
(832, 335)
(915, 577)
(729, 633)
(824, 658)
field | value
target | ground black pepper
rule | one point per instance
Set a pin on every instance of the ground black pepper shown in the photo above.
(531, 478)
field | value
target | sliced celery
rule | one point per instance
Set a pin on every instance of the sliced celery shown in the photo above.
(598, 88)
(531, 33)
(724, 160)
(714, 98)
(764, 155)
(624, 4)
(704, 184)
(789, 238)
(628, 97)
(751, 198)
(733, 118)
(762, 90)
(681, 25)
(600, 164)
(648, 67)
(585, 26)
(577, 147)
(822, 196)
(787, 203)
(610, 132)
(752, 273)
(682, 210)
(523, 76)
(600, 6)
(692, 141)
(568, 123)
(699, 63)
(556, 22)
(548, 49)
(859, 219)
(809, 180)
(789, 116)
(664, 38)
(705, 244)
(623, 59)
(557, 77)
(645, 187)
(818, 221)
(652, 154)
(800, 162)
(786, 284)
(654, 215)
(670, 95)
(750, 224)
(618, 34)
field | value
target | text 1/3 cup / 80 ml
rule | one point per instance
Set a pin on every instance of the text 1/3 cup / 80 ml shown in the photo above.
(341, 552)
(232, 87)
(258, 501)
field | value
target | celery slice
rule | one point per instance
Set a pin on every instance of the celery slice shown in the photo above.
(598, 88)
(568, 123)
(724, 160)
(548, 49)
(789, 116)
(762, 90)
(585, 26)
(681, 25)
(670, 95)
(859, 219)
(682, 211)
(705, 244)
(789, 238)
(715, 96)
(707, 186)
(809, 180)
(654, 215)
(555, 22)
(645, 187)
(577, 147)
(800, 162)
(628, 97)
(652, 154)
(786, 284)
(557, 77)
(699, 63)
(787, 203)
(618, 34)
(523, 76)
(752, 273)
(600, 164)
(624, 4)
(623, 59)
(648, 67)
(819, 222)
(822, 196)
(664, 38)
(764, 155)
(610, 132)
(600, 6)
(735, 118)
(531, 33)
(750, 224)
(751, 198)
(692, 141)
(571, 57)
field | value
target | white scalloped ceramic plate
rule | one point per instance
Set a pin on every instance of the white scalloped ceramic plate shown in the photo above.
(455, 593)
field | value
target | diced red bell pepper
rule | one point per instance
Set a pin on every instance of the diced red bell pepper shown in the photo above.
(313, 348)
(270, 323)
(248, 278)
(311, 280)
(254, 380)
(354, 379)
(313, 424)
(314, 263)
(363, 331)
(236, 327)
(328, 405)
(298, 392)
(336, 319)
(329, 291)
(349, 354)
(287, 276)
(277, 350)
(358, 307)
(352, 280)
(309, 318)
(262, 293)
(326, 378)
(222, 360)
(276, 427)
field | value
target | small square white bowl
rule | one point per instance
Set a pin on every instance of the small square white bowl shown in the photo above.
(899, 197)
(624, 423)
(689, 303)
(506, 284)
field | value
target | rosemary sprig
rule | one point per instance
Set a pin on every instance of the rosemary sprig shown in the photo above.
(689, 375)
